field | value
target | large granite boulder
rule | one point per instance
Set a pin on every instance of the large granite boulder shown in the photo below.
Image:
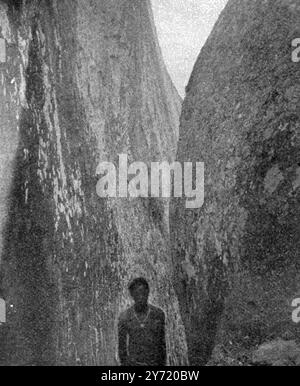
(236, 259)
(81, 82)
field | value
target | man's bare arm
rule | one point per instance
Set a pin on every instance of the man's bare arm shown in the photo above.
(122, 344)
(162, 340)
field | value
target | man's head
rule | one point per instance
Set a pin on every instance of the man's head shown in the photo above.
(139, 291)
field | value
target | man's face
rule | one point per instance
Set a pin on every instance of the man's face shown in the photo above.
(140, 295)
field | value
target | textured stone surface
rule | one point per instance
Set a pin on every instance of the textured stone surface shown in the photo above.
(278, 353)
(241, 118)
(84, 81)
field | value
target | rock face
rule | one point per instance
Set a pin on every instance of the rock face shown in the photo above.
(82, 82)
(241, 118)
(277, 353)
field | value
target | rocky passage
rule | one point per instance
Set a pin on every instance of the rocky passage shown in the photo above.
(236, 259)
(82, 82)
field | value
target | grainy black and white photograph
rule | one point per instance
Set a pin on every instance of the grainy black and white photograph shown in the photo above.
(149, 185)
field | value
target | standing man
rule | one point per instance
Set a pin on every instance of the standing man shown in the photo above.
(141, 330)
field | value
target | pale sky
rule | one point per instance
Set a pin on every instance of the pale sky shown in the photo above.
(183, 27)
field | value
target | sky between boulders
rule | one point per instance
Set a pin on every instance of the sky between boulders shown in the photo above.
(183, 27)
